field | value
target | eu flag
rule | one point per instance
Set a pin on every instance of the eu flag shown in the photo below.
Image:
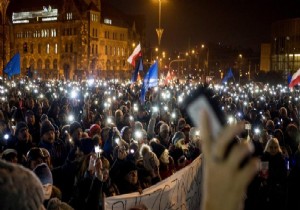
(13, 66)
(138, 67)
(228, 75)
(150, 80)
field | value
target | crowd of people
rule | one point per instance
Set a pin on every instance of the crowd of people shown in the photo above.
(90, 139)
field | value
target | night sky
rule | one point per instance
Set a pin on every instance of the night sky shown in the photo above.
(244, 23)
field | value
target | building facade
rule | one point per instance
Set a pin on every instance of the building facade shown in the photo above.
(69, 39)
(285, 45)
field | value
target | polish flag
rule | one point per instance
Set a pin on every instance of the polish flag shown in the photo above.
(295, 79)
(168, 78)
(134, 54)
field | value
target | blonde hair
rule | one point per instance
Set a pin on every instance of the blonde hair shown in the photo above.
(270, 141)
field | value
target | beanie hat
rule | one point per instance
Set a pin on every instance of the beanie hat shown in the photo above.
(46, 126)
(43, 172)
(75, 125)
(87, 145)
(19, 188)
(20, 126)
(94, 129)
(157, 148)
(150, 159)
(56, 204)
(126, 167)
(29, 113)
(177, 136)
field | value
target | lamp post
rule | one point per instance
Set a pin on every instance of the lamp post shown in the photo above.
(3, 8)
(159, 30)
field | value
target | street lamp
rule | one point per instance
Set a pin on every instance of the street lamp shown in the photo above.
(3, 8)
(159, 30)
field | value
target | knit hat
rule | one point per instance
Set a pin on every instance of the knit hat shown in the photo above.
(20, 126)
(150, 160)
(43, 172)
(75, 125)
(46, 126)
(94, 129)
(87, 145)
(157, 148)
(177, 136)
(56, 204)
(19, 188)
(29, 113)
(126, 167)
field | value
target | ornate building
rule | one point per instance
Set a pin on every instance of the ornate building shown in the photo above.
(70, 38)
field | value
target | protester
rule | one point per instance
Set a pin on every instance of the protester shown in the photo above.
(19, 188)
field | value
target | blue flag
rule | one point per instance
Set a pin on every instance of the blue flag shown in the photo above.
(150, 80)
(138, 67)
(228, 75)
(13, 66)
(289, 78)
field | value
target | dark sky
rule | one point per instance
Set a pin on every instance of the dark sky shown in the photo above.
(245, 23)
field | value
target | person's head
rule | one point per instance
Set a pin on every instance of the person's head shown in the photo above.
(181, 123)
(29, 117)
(56, 204)
(178, 139)
(273, 147)
(47, 132)
(22, 132)
(34, 157)
(270, 126)
(95, 129)
(29, 103)
(126, 133)
(75, 131)
(44, 174)
(19, 188)
(129, 172)
(138, 125)
(118, 115)
(10, 155)
(164, 130)
(160, 151)
(283, 112)
(150, 160)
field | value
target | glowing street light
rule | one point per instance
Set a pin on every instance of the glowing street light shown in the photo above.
(159, 30)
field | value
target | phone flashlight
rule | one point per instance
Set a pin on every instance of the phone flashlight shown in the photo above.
(6, 136)
(138, 134)
(132, 151)
(155, 109)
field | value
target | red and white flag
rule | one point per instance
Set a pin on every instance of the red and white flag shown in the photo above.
(168, 78)
(295, 79)
(134, 54)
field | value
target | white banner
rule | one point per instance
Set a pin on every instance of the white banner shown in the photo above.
(182, 190)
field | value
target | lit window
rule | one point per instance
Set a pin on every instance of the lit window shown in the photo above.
(55, 48)
(69, 16)
(107, 21)
(48, 48)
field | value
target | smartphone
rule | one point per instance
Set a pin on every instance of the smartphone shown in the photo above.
(203, 99)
